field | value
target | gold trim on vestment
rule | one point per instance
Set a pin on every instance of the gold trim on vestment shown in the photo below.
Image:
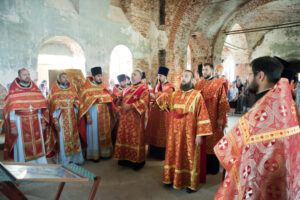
(182, 106)
(237, 180)
(144, 103)
(203, 122)
(95, 88)
(267, 135)
(29, 101)
(233, 141)
(273, 135)
(24, 94)
(129, 146)
(178, 170)
(205, 134)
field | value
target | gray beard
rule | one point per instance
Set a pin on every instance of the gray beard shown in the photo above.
(186, 87)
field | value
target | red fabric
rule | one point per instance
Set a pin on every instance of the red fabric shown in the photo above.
(26, 99)
(134, 94)
(217, 104)
(182, 165)
(65, 100)
(130, 142)
(90, 95)
(158, 123)
(261, 152)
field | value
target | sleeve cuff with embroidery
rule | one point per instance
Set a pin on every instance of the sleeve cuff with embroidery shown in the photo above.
(204, 128)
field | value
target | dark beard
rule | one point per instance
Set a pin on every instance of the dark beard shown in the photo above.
(66, 84)
(207, 77)
(253, 87)
(25, 84)
(98, 82)
(186, 87)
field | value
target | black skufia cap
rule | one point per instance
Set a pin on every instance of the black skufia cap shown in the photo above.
(96, 70)
(163, 70)
(121, 77)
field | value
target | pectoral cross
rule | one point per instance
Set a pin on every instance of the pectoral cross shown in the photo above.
(30, 108)
(68, 104)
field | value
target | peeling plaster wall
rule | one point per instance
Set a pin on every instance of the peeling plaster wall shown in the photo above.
(26, 25)
(284, 43)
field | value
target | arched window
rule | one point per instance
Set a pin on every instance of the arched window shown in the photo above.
(189, 58)
(120, 62)
(229, 68)
(59, 53)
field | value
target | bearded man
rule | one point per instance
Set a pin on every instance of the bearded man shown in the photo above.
(188, 124)
(26, 115)
(64, 105)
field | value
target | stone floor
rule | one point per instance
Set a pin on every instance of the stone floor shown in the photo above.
(120, 183)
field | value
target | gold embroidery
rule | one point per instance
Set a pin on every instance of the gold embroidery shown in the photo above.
(182, 106)
(203, 122)
(273, 135)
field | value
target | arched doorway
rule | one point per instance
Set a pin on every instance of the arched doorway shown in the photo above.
(235, 56)
(59, 53)
(120, 62)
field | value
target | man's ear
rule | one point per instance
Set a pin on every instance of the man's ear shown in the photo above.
(260, 76)
(263, 76)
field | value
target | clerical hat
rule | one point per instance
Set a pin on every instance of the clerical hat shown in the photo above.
(143, 75)
(121, 77)
(96, 70)
(163, 70)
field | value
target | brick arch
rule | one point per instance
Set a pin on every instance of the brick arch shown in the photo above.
(138, 13)
(182, 24)
(232, 20)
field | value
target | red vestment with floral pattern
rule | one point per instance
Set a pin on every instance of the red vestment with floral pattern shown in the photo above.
(217, 105)
(130, 143)
(188, 118)
(158, 119)
(65, 100)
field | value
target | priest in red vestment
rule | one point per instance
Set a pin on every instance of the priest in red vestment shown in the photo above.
(189, 123)
(215, 97)
(64, 105)
(130, 143)
(26, 115)
(96, 110)
(119, 89)
(159, 119)
(261, 152)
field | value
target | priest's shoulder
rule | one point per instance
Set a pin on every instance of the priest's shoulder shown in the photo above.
(219, 82)
(169, 85)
